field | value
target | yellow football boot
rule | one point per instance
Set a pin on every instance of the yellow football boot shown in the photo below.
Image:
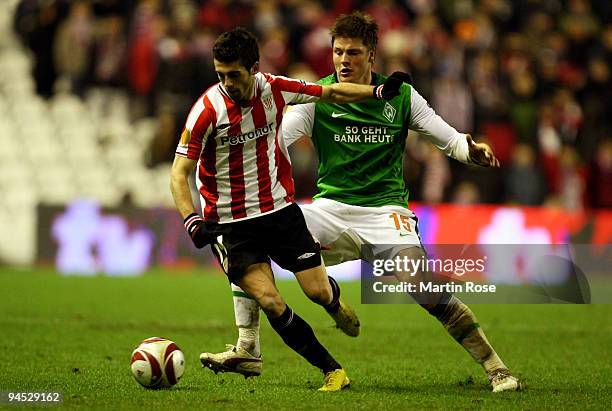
(346, 319)
(335, 381)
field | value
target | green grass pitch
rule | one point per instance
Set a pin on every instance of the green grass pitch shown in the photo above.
(75, 335)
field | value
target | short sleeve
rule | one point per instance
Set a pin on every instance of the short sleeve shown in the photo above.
(199, 125)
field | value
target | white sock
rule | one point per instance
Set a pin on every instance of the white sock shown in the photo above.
(246, 311)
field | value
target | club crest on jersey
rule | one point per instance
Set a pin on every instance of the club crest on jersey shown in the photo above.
(389, 112)
(267, 102)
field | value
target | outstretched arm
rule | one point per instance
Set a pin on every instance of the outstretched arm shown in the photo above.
(351, 93)
(454, 144)
(346, 93)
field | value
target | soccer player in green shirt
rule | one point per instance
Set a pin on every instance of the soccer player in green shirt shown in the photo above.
(362, 197)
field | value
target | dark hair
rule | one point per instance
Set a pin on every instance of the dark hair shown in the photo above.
(237, 44)
(356, 25)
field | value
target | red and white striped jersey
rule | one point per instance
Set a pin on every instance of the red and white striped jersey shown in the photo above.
(243, 166)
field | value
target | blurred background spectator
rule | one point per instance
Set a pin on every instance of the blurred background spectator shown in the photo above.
(530, 77)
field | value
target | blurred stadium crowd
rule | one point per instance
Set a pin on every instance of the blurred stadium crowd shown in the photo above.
(531, 77)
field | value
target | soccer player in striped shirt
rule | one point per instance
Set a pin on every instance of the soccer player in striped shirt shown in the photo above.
(233, 136)
(362, 197)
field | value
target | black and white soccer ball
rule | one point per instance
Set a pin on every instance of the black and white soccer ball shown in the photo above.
(157, 363)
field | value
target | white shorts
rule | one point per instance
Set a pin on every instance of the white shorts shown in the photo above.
(346, 228)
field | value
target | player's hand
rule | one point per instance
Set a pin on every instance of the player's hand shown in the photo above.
(391, 87)
(194, 224)
(481, 153)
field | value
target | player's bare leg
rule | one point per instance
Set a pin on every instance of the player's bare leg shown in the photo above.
(325, 291)
(244, 357)
(462, 325)
(258, 282)
(246, 311)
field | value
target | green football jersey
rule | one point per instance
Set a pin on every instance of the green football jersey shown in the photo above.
(360, 147)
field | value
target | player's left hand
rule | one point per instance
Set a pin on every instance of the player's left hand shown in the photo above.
(481, 153)
(391, 87)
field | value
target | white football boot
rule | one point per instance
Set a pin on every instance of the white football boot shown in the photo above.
(234, 359)
(503, 380)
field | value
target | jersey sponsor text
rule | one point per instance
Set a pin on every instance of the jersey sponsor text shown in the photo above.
(364, 134)
(243, 138)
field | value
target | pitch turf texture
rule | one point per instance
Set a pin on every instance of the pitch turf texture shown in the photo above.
(75, 335)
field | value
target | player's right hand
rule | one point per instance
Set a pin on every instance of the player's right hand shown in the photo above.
(391, 87)
(194, 224)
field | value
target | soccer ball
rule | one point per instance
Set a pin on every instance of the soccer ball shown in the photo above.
(157, 363)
